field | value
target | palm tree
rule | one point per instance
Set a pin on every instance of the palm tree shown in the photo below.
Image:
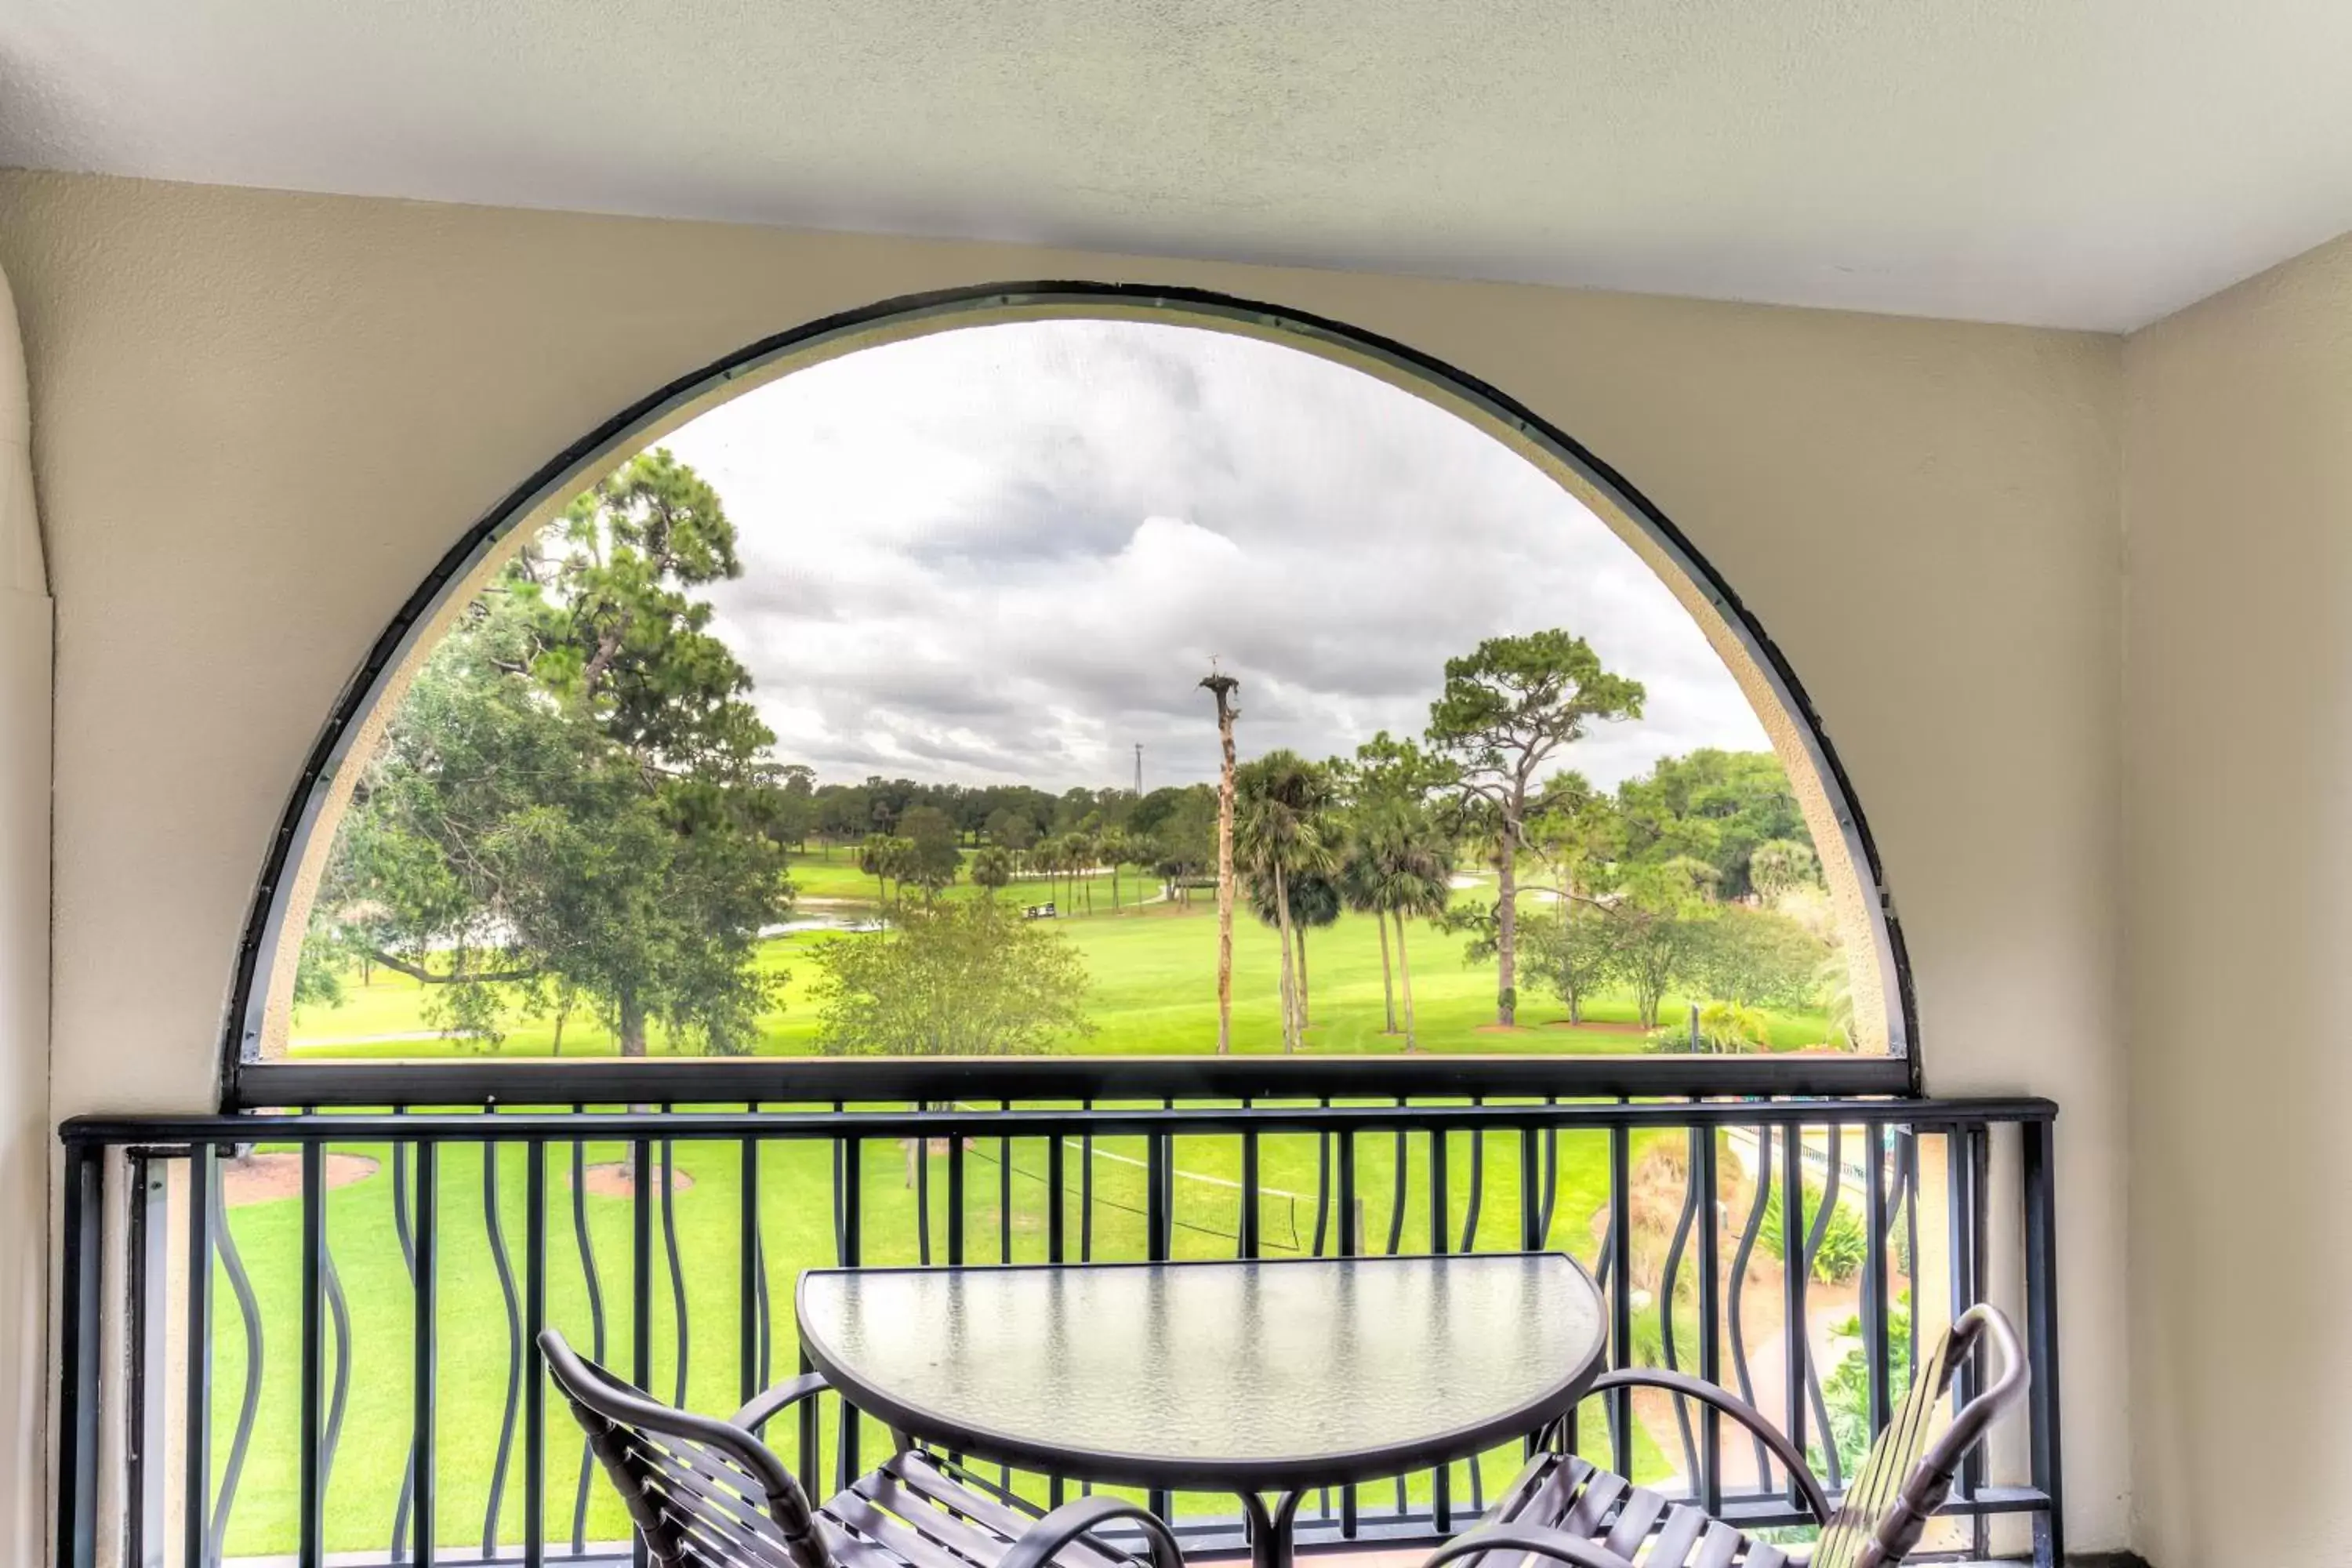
(1085, 845)
(1359, 887)
(1401, 867)
(1315, 902)
(874, 859)
(1282, 829)
(991, 867)
(1052, 856)
(1119, 850)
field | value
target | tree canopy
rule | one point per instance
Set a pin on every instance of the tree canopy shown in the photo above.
(573, 798)
(952, 979)
(1506, 709)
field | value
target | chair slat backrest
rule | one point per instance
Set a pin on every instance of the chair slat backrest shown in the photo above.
(1903, 1479)
(701, 1493)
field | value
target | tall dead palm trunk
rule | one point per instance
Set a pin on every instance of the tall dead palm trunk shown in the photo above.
(1222, 688)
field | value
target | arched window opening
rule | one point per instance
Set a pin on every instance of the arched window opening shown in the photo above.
(1043, 676)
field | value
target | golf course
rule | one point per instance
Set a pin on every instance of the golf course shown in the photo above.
(1152, 991)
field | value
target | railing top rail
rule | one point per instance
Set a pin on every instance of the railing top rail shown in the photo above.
(479, 1126)
(612, 1081)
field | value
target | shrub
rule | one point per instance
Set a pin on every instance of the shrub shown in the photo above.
(1845, 1243)
(1846, 1390)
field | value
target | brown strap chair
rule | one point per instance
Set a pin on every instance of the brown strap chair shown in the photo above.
(1563, 1507)
(706, 1493)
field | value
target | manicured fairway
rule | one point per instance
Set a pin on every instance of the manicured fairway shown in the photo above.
(1153, 991)
(1151, 968)
(797, 1232)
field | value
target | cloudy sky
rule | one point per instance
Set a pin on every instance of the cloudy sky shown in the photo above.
(1007, 553)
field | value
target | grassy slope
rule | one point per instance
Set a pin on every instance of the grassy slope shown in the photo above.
(797, 1229)
(1152, 969)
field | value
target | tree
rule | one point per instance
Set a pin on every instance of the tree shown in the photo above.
(1223, 687)
(1780, 865)
(1400, 866)
(1757, 958)
(962, 978)
(1573, 950)
(1358, 883)
(1742, 798)
(574, 796)
(1086, 854)
(992, 869)
(878, 859)
(1116, 849)
(932, 858)
(1184, 843)
(1659, 910)
(1283, 829)
(1506, 709)
(1012, 828)
(1314, 903)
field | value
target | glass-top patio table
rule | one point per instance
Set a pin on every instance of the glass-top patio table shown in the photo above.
(1256, 1378)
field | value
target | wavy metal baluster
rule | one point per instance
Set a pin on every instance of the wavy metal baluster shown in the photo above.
(595, 1330)
(339, 1310)
(407, 1238)
(677, 1269)
(1551, 1178)
(1322, 1192)
(1832, 1175)
(1086, 1196)
(758, 1264)
(248, 1309)
(1477, 1187)
(923, 1194)
(1666, 1314)
(1004, 1193)
(1470, 1244)
(1396, 1211)
(1747, 1248)
(495, 1228)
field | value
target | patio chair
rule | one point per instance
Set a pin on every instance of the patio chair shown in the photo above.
(1563, 1507)
(706, 1493)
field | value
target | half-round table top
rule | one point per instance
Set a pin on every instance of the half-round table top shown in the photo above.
(1242, 1376)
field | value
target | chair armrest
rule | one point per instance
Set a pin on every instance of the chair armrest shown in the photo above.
(1800, 1474)
(1042, 1540)
(767, 1406)
(1540, 1538)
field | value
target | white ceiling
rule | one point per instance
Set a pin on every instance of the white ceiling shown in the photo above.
(2083, 162)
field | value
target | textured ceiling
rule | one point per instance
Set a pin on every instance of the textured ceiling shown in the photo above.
(2085, 163)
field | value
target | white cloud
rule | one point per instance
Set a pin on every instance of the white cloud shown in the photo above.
(1009, 552)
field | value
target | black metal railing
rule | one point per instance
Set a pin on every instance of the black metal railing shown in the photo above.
(329, 1340)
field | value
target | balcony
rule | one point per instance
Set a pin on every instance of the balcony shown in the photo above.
(347, 1301)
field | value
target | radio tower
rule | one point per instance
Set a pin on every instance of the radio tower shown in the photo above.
(1139, 770)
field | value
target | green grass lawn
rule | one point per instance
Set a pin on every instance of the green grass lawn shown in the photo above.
(795, 1186)
(1153, 971)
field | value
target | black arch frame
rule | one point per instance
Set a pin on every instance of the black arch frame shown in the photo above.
(245, 1082)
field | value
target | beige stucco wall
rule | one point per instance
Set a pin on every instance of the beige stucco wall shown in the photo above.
(24, 966)
(2239, 563)
(260, 418)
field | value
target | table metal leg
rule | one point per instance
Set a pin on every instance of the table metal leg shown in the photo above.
(1271, 1535)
